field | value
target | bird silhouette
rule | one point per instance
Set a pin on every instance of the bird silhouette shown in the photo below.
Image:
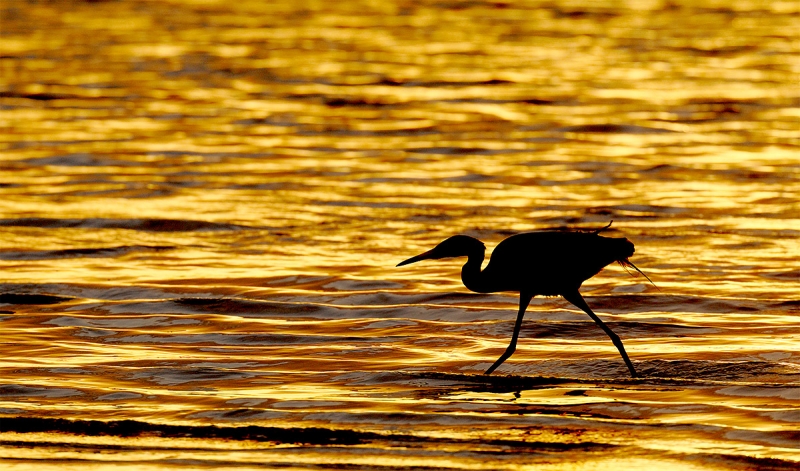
(547, 263)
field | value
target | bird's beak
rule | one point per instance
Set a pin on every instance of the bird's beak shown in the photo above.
(423, 256)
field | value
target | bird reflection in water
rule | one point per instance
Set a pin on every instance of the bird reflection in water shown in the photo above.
(547, 263)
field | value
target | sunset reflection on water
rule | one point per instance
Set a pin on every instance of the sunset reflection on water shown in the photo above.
(203, 204)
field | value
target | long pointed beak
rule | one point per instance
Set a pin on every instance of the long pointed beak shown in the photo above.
(422, 256)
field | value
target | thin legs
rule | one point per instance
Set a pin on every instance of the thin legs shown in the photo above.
(576, 299)
(524, 300)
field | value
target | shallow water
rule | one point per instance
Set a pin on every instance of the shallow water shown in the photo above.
(203, 204)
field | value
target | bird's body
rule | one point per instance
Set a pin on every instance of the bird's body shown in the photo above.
(545, 263)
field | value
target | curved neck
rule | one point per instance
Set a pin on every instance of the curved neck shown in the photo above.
(471, 274)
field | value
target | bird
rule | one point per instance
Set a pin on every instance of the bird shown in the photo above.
(541, 263)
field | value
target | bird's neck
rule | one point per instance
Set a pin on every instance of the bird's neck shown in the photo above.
(471, 274)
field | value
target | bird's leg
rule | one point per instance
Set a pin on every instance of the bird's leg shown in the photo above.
(524, 300)
(576, 299)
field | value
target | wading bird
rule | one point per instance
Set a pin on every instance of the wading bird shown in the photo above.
(547, 263)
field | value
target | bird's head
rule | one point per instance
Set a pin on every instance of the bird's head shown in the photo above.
(456, 246)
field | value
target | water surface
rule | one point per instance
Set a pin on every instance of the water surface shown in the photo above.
(203, 204)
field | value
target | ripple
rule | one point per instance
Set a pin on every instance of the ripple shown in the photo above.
(24, 298)
(177, 376)
(132, 428)
(250, 339)
(119, 396)
(17, 390)
(613, 129)
(362, 285)
(147, 225)
(79, 160)
(101, 252)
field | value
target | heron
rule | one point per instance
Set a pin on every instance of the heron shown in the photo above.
(543, 263)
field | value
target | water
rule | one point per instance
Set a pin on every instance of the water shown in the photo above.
(203, 204)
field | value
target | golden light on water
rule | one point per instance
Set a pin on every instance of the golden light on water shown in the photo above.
(203, 204)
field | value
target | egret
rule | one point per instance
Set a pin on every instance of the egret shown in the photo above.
(546, 263)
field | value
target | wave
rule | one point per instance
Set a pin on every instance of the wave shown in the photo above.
(613, 128)
(25, 298)
(78, 160)
(277, 435)
(453, 150)
(675, 303)
(252, 307)
(332, 297)
(147, 225)
(319, 436)
(250, 339)
(133, 428)
(37, 96)
(743, 378)
(18, 390)
(101, 252)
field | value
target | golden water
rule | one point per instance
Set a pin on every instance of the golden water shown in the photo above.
(203, 204)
